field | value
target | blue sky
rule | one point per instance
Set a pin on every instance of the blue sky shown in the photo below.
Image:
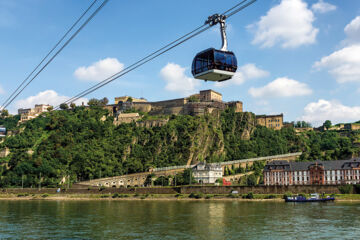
(297, 57)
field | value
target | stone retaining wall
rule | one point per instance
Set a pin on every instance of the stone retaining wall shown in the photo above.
(328, 189)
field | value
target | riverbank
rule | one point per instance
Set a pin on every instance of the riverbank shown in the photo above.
(165, 197)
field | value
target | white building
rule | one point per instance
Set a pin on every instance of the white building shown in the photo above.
(207, 172)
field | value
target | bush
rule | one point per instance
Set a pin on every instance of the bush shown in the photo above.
(23, 195)
(178, 195)
(196, 195)
(115, 195)
(208, 196)
(346, 189)
(104, 196)
(45, 195)
(230, 195)
(271, 196)
(102, 188)
(250, 195)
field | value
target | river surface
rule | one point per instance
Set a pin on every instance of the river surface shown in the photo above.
(178, 220)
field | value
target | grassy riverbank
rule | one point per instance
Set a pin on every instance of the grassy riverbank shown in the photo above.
(193, 196)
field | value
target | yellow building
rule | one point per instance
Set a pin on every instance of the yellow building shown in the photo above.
(210, 96)
(127, 98)
(271, 121)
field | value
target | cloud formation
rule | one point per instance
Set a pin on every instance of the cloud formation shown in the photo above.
(323, 7)
(281, 87)
(244, 73)
(352, 31)
(288, 24)
(343, 65)
(318, 112)
(99, 71)
(46, 97)
(176, 80)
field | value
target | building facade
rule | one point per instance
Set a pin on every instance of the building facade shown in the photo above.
(312, 173)
(207, 172)
(210, 96)
(271, 121)
(27, 114)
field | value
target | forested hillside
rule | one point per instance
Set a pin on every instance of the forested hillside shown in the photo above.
(85, 144)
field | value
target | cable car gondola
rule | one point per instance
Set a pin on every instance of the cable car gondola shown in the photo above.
(212, 64)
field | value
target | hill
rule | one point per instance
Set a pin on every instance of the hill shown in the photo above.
(85, 144)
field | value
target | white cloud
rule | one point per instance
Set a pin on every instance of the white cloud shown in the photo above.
(100, 70)
(288, 24)
(323, 7)
(244, 73)
(318, 112)
(177, 81)
(281, 87)
(352, 31)
(343, 64)
(46, 97)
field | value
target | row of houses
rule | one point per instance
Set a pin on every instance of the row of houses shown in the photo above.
(309, 173)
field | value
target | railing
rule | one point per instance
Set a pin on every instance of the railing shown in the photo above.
(231, 162)
(261, 158)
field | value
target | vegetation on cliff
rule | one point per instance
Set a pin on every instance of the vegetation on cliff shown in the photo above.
(83, 143)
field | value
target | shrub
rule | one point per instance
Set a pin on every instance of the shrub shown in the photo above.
(23, 195)
(178, 195)
(250, 195)
(45, 195)
(196, 195)
(104, 196)
(346, 189)
(271, 196)
(208, 196)
(115, 195)
(136, 195)
(102, 188)
(143, 197)
(230, 195)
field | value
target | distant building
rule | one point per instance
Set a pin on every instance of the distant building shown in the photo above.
(270, 121)
(207, 172)
(210, 96)
(129, 99)
(197, 104)
(352, 126)
(310, 173)
(31, 113)
(126, 118)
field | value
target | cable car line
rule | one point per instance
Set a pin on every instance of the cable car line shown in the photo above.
(134, 64)
(8, 102)
(127, 70)
(56, 45)
(156, 53)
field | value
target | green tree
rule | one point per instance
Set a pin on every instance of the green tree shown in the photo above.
(251, 180)
(4, 113)
(327, 124)
(64, 106)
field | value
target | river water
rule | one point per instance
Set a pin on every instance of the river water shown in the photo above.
(177, 220)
